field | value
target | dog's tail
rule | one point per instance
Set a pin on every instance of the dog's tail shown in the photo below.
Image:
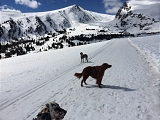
(78, 75)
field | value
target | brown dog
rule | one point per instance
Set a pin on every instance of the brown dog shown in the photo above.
(96, 72)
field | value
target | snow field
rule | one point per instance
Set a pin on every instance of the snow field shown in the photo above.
(129, 91)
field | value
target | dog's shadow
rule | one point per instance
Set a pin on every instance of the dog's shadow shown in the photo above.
(112, 87)
(87, 62)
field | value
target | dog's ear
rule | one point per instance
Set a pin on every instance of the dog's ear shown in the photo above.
(104, 65)
(54, 105)
(47, 105)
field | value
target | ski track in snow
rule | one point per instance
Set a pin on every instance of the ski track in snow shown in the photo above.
(129, 88)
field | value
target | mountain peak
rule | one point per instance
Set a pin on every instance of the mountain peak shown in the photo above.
(75, 7)
(124, 9)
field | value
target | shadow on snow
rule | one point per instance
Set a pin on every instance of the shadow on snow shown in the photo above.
(112, 87)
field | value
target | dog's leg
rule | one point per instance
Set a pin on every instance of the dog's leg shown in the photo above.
(84, 79)
(82, 83)
(86, 59)
(101, 79)
(82, 60)
(99, 83)
(96, 81)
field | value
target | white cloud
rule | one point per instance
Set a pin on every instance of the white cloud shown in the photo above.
(112, 6)
(30, 3)
(8, 8)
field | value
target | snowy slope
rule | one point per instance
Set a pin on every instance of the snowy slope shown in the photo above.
(130, 88)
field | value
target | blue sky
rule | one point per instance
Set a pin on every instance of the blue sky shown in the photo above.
(100, 6)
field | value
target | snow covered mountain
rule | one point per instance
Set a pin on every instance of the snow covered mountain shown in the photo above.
(137, 17)
(30, 25)
(133, 17)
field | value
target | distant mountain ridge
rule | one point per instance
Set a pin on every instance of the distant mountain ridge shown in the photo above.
(37, 24)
